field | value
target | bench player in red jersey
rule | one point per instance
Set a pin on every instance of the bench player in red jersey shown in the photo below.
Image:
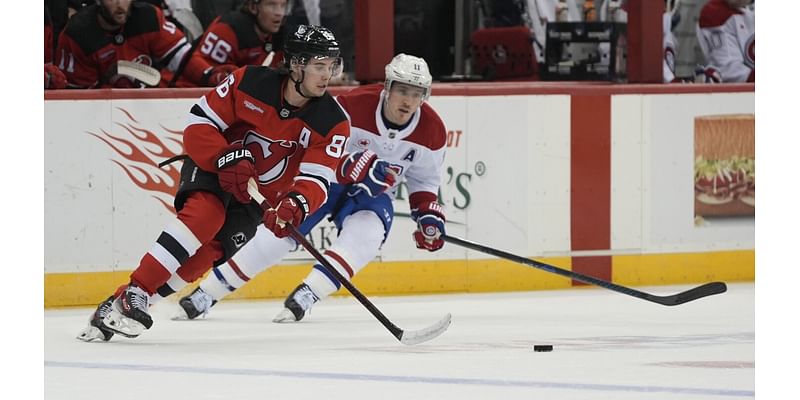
(101, 34)
(250, 35)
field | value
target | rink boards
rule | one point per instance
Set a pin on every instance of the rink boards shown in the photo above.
(594, 178)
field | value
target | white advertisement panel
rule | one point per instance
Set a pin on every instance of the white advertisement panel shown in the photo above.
(653, 159)
(505, 181)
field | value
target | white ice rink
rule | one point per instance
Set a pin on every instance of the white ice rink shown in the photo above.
(607, 346)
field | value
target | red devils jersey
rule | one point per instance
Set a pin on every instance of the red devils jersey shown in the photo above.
(296, 150)
(417, 149)
(231, 39)
(86, 52)
(48, 43)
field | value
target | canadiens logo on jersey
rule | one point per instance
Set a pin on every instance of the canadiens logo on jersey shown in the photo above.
(272, 156)
(750, 52)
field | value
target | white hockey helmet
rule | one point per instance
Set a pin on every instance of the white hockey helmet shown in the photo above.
(409, 70)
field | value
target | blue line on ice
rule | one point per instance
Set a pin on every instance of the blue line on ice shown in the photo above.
(404, 379)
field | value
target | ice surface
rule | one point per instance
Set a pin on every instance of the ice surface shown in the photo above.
(606, 346)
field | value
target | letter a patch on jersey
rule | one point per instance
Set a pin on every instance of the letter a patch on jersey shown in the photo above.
(410, 155)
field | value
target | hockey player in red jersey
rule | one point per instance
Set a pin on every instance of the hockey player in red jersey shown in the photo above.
(99, 35)
(53, 77)
(281, 128)
(251, 35)
(390, 121)
(726, 34)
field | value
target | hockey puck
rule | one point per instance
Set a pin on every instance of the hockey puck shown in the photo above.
(543, 347)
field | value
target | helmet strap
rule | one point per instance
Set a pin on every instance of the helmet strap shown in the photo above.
(298, 82)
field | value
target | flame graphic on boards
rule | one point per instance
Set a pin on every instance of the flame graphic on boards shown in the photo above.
(142, 150)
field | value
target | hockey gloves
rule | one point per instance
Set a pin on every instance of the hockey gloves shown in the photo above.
(235, 166)
(365, 171)
(707, 74)
(54, 78)
(292, 209)
(430, 226)
(213, 76)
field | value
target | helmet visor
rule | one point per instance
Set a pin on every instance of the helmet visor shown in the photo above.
(321, 66)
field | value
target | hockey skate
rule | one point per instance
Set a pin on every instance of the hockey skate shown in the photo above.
(95, 330)
(297, 304)
(194, 305)
(129, 316)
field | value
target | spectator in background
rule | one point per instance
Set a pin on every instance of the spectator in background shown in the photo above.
(726, 34)
(250, 35)
(616, 11)
(543, 11)
(336, 15)
(180, 13)
(61, 11)
(208, 10)
(53, 77)
(100, 35)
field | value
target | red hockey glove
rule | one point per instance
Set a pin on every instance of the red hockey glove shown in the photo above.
(291, 210)
(707, 74)
(430, 226)
(235, 166)
(213, 76)
(367, 172)
(54, 78)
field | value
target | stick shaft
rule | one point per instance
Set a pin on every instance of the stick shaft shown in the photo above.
(299, 238)
(680, 298)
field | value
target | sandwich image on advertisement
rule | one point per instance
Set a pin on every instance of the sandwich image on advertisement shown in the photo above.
(724, 166)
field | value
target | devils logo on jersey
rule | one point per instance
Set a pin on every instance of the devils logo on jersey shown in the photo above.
(143, 59)
(272, 156)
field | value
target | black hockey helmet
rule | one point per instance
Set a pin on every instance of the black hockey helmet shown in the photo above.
(306, 42)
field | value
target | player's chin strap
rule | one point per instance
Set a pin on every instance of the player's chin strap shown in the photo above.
(297, 84)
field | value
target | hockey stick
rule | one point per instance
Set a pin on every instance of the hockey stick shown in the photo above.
(701, 291)
(405, 337)
(143, 73)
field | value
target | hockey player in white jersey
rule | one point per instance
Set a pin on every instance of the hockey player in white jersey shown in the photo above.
(727, 36)
(393, 122)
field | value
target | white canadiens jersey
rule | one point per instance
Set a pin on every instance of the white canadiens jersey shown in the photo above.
(418, 149)
(727, 37)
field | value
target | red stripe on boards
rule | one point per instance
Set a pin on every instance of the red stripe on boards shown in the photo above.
(590, 182)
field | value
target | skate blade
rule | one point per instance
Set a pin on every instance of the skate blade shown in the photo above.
(284, 316)
(128, 327)
(180, 315)
(91, 333)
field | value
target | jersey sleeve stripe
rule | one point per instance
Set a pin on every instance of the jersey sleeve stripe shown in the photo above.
(195, 120)
(312, 169)
(208, 113)
(197, 115)
(323, 184)
(174, 55)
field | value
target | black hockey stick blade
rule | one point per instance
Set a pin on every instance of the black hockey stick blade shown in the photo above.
(692, 294)
(405, 337)
(701, 291)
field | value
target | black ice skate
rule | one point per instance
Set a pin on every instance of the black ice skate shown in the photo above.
(298, 302)
(194, 305)
(96, 330)
(129, 316)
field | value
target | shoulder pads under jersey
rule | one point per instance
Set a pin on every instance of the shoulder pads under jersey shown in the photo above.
(143, 19)
(242, 25)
